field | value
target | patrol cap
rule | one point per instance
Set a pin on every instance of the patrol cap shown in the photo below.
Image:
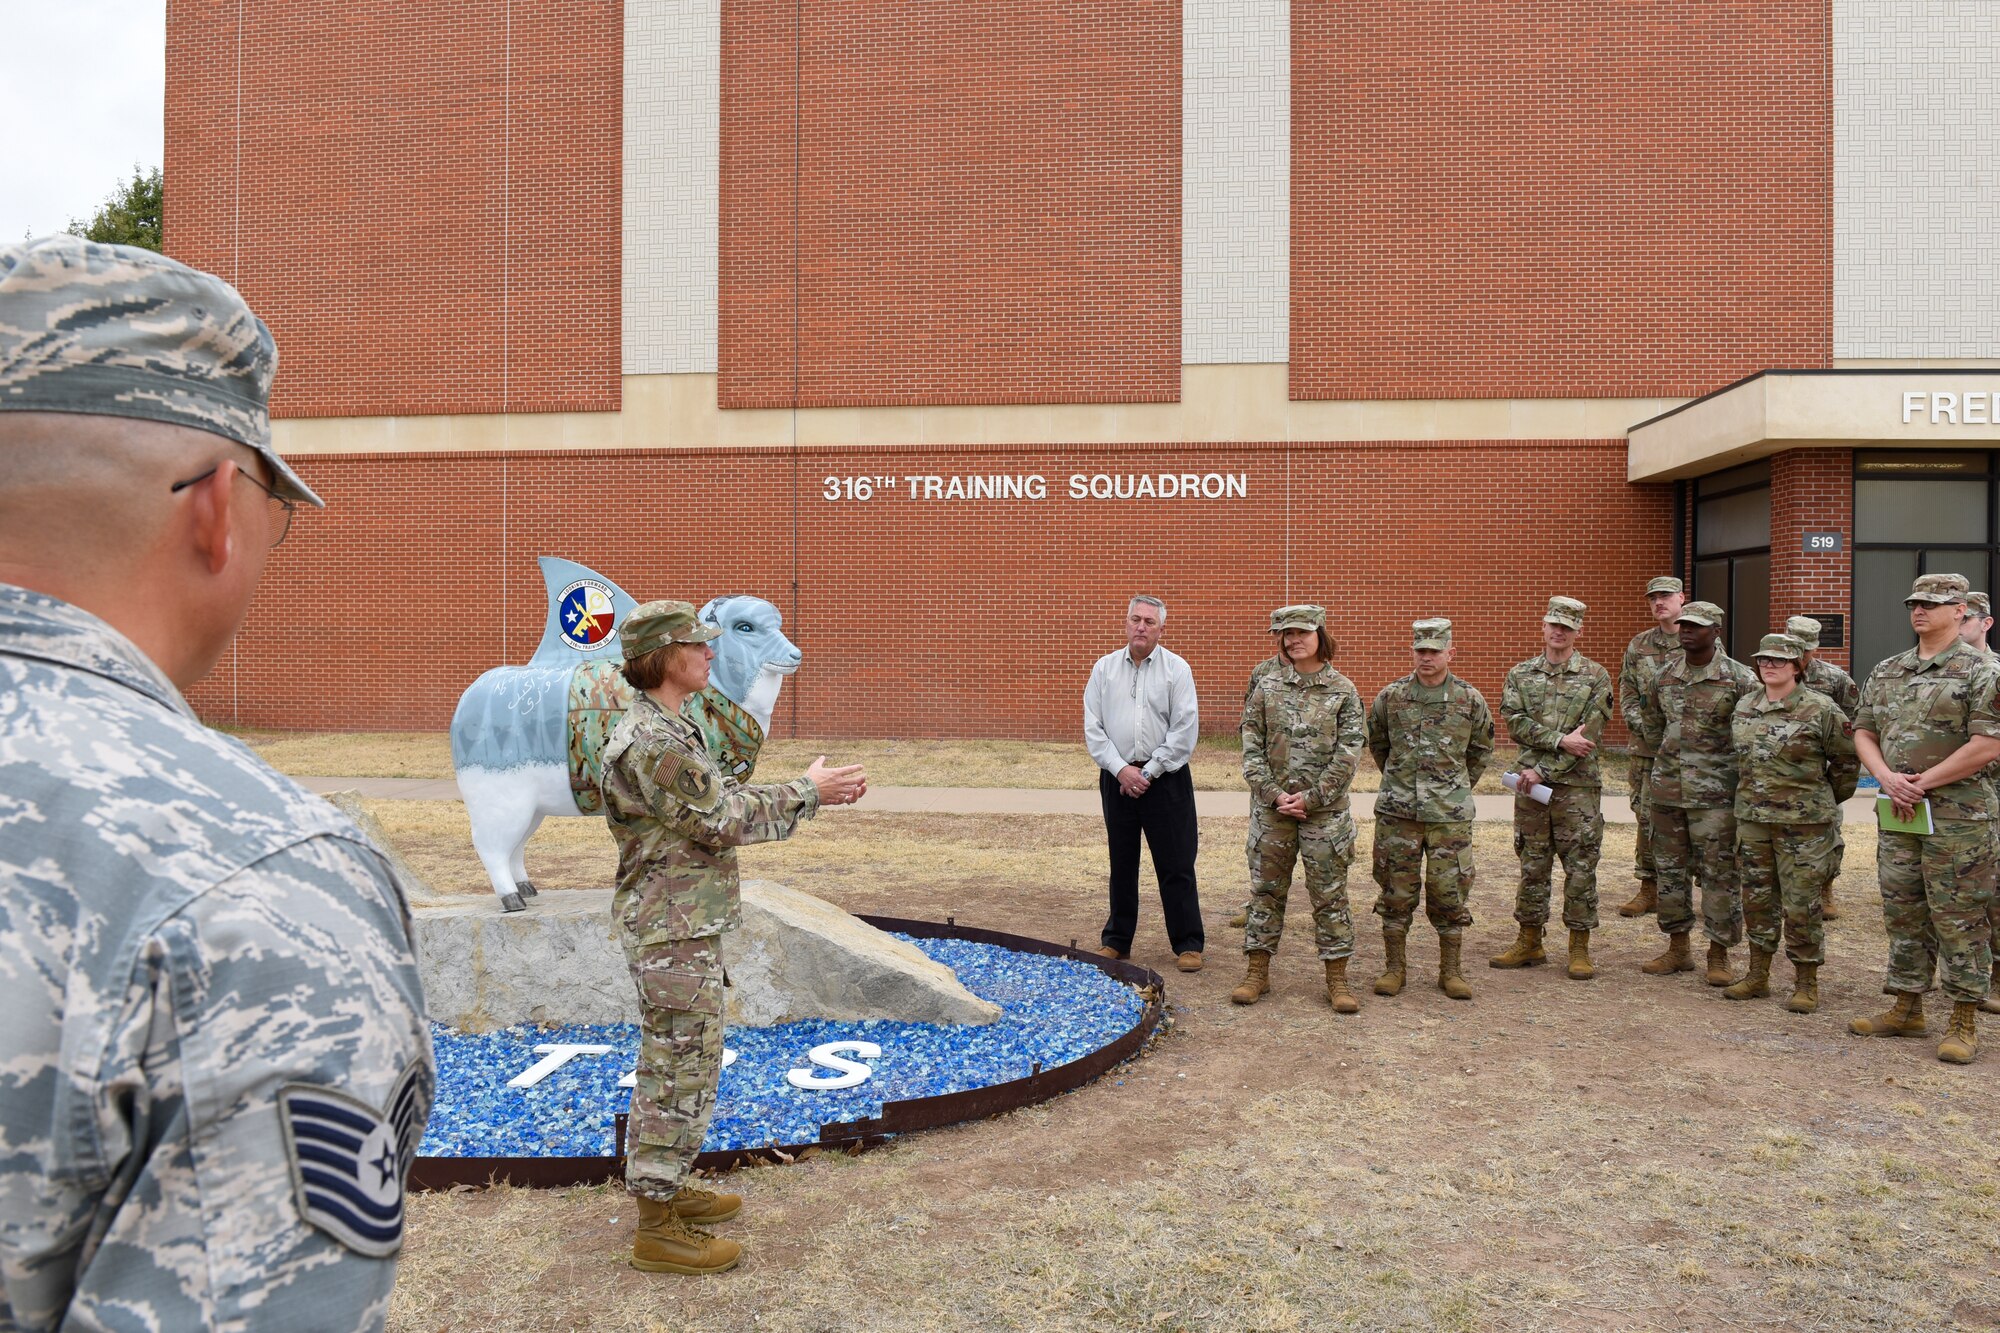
(657, 624)
(1979, 604)
(1665, 583)
(1303, 616)
(1700, 613)
(1805, 629)
(117, 331)
(1434, 632)
(1781, 646)
(1939, 589)
(1564, 611)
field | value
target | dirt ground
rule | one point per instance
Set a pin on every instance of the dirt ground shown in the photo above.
(1628, 1153)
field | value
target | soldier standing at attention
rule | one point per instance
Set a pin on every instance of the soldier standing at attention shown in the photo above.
(1692, 795)
(1644, 657)
(678, 822)
(1431, 734)
(215, 1069)
(1927, 727)
(1555, 706)
(1795, 764)
(1826, 678)
(1978, 624)
(1274, 662)
(1302, 736)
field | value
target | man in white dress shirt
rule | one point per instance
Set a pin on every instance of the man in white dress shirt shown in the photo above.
(1139, 721)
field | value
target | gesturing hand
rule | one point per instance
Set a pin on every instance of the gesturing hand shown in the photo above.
(837, 786)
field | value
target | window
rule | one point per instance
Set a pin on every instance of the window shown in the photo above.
(1732, 548)
(1916, 512)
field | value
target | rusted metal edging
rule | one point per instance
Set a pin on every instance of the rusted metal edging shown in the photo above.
(900, 1117)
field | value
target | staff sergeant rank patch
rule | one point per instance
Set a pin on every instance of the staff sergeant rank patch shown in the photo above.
(349, 1161)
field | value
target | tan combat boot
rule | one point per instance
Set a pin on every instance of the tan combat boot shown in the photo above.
(1337, 994)
(1991, 1004)
(1961, 1043)
(1241, 919)
(1394, 964)
(1827, 910)
(1718, 965)
(1805, 989)
(1756, 983)
(666, 1244)
(1450, 980)
(1904, 1019)
(1527, 950)
(1675, 959)
(1580, 966)
(1646, 900)
(701, 1208)
(1256, 978)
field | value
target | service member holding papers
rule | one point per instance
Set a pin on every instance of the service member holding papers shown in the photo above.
(1927, 726)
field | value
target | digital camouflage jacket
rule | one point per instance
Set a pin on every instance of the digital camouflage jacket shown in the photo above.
(1431, 743)
(1691, 710)
(678, 822)
(1795, 760)
(1301, 733)
(1542, 702)
(1920, 712)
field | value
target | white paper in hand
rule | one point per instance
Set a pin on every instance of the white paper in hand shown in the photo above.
(1539, 792)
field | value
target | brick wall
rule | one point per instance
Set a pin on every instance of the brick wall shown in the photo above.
(1812, 490)
(940, 617)
(988, 203)
(1558, 198)
(423, 201)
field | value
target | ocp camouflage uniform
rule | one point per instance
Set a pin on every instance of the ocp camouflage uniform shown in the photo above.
(1644, 657)
(1795, 764)
(1541, 703)
(678, 822)
(1936, 889)
(1692, 798)
(1301, 733)
(1823, 677)
(1431, 743)
(191, 943)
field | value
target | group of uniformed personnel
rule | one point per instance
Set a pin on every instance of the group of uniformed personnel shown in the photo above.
(1737, 771)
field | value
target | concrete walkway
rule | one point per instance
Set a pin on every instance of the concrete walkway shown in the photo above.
(1017, 800)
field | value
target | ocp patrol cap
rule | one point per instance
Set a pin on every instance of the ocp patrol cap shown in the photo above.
(1979, 604)
(1431, 633)
(1302, 616)
(1665, 583)
(1700, 613)
(117, 331)
(1805, 629)
(1782, 646)
(1564, 611)
(657, 624)
(1939, 589)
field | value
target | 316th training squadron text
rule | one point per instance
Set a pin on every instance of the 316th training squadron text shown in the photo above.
(1034, 486)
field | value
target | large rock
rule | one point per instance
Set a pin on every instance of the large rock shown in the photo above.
(795, 957)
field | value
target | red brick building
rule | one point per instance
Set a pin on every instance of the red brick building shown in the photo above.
(948, 329)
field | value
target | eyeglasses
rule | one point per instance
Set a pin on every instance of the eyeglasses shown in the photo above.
(286, 508)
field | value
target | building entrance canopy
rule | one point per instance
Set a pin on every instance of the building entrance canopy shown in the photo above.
(1776, 410)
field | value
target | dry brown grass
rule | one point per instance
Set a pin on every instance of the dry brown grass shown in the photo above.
(1046, 765)
(1634, 1153)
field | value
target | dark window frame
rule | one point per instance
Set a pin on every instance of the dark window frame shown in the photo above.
(1988, 549)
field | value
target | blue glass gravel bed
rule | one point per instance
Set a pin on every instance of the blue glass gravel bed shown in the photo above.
(1054, 1010)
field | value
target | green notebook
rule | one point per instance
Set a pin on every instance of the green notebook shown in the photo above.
(1918, 823)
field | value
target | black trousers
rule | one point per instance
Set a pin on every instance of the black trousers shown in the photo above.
(1166, 815)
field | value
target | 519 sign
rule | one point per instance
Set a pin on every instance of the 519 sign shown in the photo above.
(1820, 543)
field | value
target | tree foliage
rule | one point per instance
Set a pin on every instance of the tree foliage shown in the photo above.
(130, 214)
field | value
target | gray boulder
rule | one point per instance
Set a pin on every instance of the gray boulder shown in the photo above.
(795, 957)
